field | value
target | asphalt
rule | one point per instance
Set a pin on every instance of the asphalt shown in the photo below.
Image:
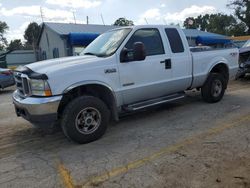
(187, 143)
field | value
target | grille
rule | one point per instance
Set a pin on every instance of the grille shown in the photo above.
(22, 84)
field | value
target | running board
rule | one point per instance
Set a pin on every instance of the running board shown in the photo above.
(153, 102)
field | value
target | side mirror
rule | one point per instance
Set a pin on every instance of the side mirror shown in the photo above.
(139, 51)
(124, 55)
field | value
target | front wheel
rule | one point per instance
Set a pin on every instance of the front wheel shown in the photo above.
(214, 88)
(85, 119)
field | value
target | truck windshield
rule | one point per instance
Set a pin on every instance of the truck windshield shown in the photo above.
(106, 44)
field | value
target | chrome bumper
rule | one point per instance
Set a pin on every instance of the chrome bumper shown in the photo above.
(36, 109)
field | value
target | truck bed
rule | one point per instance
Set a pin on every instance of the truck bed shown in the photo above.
(205, 59)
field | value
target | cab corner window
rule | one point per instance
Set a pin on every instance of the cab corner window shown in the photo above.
(174, 40)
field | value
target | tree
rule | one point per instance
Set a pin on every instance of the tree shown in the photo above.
(190, 23)
(15, 45)
(242, 11)
(201, 22)
(217, 23)
(238, 29)
(3, 28)
(221, 24)
(123, 22)
(31, 34)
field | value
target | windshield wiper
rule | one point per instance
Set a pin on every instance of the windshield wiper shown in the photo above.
(97, 55)
(89, 53)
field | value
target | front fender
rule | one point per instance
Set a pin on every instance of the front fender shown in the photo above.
(87, 82)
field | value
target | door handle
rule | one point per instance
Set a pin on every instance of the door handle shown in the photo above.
(168, 63)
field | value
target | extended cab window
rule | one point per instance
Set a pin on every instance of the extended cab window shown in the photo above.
(174, 40)
(151, 38)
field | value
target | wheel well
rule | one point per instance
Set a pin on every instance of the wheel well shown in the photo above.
(221, 68)
(96, 90)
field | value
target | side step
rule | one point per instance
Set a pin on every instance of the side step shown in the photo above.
(153, 102)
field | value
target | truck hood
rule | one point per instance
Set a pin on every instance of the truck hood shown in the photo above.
(53, 65)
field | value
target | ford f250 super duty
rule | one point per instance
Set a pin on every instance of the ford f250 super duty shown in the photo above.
(123, 70)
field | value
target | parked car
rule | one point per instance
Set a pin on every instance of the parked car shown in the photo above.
(6, 78)
(244, 61)
(122, 70)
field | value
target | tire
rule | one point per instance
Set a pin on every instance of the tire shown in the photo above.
(85, 119)
(214, 88)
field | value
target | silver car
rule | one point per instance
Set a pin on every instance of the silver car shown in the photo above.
(6, 78)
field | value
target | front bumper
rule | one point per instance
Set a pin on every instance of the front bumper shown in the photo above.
(37, 110)
(243, 69)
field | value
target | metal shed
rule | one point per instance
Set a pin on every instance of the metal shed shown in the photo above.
(66, 39)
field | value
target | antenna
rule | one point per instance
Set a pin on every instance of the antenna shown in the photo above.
(102, 20)
(146, 20)
(164, 21)
(41, 13)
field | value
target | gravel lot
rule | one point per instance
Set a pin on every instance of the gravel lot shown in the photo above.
(187, 143)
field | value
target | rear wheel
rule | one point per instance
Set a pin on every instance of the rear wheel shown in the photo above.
(214, 88)
(85, 119)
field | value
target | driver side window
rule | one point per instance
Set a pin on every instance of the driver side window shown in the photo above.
(151, 39)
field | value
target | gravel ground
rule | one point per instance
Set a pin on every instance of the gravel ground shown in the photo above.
(187, 143)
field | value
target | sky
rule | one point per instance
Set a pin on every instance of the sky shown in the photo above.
(19, 13)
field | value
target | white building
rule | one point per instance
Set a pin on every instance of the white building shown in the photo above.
(62, 39)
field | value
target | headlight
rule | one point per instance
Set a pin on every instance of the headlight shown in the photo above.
(40, 88)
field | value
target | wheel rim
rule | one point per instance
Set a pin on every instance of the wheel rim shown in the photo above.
(88, 120)
(217, 88)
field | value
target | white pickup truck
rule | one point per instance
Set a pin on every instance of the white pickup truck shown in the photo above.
(123, 70)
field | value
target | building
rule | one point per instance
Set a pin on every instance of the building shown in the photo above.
(241, 38)
(63, 39)
(15, 58)
(20, 57)
(239, 41)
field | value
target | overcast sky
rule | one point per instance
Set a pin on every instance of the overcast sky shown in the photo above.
(19, 13)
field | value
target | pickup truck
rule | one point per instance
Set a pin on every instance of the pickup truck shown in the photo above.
(123, 70)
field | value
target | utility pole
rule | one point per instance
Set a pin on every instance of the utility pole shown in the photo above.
(87, 20)
(74, 16)
(102, 20)
(146, 20)
(41, 13)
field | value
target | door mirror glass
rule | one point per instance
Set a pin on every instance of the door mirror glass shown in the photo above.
(138, 53)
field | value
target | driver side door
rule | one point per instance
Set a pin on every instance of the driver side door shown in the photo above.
(146, 79)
